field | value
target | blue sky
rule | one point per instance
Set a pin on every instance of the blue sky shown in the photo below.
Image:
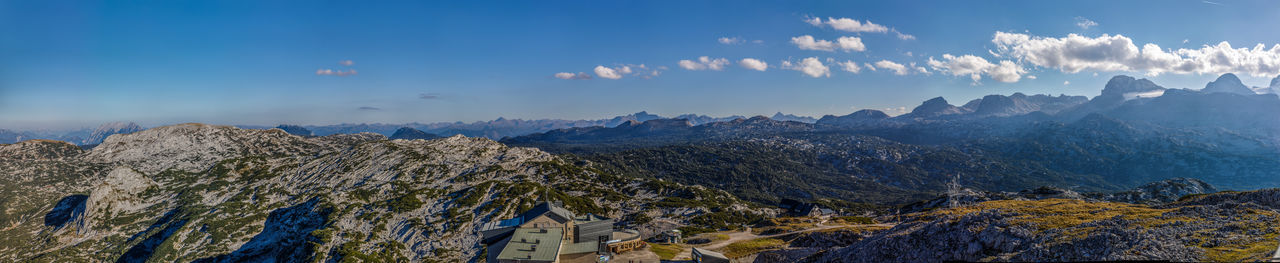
(65, 64)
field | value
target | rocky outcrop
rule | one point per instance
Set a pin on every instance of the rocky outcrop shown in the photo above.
(285, 237)
(38, 150)
(1161, 192)
(1072, 230)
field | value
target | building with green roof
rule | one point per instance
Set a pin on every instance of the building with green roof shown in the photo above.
(548, 233)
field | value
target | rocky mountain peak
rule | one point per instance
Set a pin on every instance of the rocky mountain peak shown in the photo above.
(868, 114)
(107, 129)
(193, 146)
(1000, 105)
(1121, 84)
(779, 116)
(935, 107)
(1227, 83)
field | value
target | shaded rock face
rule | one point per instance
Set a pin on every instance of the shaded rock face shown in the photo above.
(67, 208)
(407, 133)
(1000, 105)
(1228, 83)
(295, 130)
(285, 237)
(162, 230)
(109, 129)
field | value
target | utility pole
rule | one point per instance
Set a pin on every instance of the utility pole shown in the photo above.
(953, 191)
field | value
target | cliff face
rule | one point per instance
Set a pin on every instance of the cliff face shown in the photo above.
(196, 192)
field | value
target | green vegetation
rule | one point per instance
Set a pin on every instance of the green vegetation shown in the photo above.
(853, 220)
(744, 248)
(665, 251)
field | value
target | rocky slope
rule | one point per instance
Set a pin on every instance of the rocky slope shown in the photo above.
(195, 192)
(1216, 227)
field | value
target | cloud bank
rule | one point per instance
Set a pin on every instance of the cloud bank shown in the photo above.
(1075, 53)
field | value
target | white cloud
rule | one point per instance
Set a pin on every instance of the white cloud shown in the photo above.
(815, 21)
(346, 62)
(851, 43)
(904, 36)
(704, 63)
(807, 42)
(568, 75)
(1031, 76)
(1067, 82)
(850, 66)
(869, 66)
(340, 73)
(1085, 23)
(730, 40)
(847, 44)
(754, 64)
(1075, 53)
(608, 73)
(1007, 72)
(848, 25)
(809, 66)
(898, 69)
(856, 26)
(974, 67)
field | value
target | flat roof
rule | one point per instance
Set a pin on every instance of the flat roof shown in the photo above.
(580, 247)
(541, 244)
(588, 218)
(705, 252)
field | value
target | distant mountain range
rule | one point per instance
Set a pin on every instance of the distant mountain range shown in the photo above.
(83, 137)
(503, 127)
(1133, 132)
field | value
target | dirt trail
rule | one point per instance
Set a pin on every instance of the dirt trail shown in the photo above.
(736, 236)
